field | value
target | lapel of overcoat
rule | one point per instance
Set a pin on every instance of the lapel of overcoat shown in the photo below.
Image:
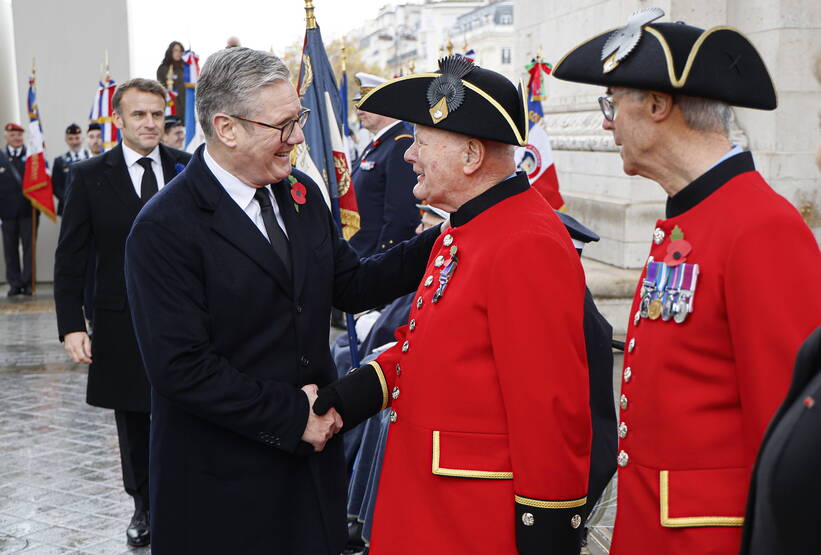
(116, 173)
(296, 236)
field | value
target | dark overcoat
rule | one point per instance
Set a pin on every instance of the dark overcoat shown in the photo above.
(786, 483)
(228, 338)
(101, 206)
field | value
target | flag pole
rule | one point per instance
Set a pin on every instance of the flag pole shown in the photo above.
(33, 214)
(353, 341)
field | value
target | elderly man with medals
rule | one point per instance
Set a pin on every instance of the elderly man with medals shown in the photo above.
(489, 443)
(724, 300)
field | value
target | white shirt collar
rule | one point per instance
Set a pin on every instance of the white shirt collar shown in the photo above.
(131, 156)
(239, 192)
(736, 149)
(385, 130)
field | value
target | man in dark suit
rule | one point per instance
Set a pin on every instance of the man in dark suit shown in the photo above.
(383, 180)
(15, 212)
(105, 196)
(231, 274)
(62, 164)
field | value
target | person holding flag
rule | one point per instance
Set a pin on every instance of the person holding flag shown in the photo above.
(536, 158)
(185, 103)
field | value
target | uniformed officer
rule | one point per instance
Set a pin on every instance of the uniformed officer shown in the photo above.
(173, 132)
(383, 180)
(94, 138)
(15, 213)
(724, 299)
(489, 444)
(62, 163)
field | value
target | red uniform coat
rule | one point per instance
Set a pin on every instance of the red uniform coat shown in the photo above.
(697, 396)
(488, 387)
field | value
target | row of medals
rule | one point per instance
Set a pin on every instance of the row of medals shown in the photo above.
(667, 301)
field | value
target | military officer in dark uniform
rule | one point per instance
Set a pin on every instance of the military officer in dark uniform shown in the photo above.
(15, 212)
(62, 164)
(383, 181)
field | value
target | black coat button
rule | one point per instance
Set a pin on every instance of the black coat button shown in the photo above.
(303, 361)
(299, 309)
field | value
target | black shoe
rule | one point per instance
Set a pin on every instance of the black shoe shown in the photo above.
(14, 291)
(137, 534)
(27, 291)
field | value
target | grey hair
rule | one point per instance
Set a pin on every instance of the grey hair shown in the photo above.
(700, 114)
(704, 114)
(229, 80)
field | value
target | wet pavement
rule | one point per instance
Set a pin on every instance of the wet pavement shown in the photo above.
(60, 481)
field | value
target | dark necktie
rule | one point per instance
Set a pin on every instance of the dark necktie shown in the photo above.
(275, 233)
(148, 185)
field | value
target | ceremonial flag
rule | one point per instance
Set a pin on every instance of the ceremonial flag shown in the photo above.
(191, 74)
(101, 111)
(537, 158)
(347, 133)
(317, 89)
(36, 179)
(170, 102)
(322, 150)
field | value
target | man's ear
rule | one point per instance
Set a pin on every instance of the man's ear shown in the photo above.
(117, 119)
(473, 155)
(225, 129)
(661, 105)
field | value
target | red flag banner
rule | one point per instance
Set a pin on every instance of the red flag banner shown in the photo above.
(36, 180)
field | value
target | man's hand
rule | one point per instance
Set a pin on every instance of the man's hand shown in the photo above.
(78, 346)
(319, 428)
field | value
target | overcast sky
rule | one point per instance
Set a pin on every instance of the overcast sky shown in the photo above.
(206, 24)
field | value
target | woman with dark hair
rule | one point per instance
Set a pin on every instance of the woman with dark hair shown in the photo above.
(170, 74)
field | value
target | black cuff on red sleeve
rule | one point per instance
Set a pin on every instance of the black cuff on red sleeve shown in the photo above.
(360, 394)
(553, 527)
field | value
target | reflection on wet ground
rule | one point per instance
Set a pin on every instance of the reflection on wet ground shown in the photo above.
(60, 482)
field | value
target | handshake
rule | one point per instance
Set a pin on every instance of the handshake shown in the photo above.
(323, 419)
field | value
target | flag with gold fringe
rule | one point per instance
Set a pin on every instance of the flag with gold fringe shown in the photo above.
(101, 111)
(36, 179)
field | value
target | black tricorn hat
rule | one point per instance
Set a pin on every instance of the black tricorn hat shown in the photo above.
(718, 63)
(460, 97)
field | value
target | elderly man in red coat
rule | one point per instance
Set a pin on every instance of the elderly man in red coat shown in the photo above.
(728, 293)
(489, 443)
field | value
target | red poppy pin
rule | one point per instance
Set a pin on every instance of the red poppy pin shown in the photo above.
(298, 192)
(678, 249)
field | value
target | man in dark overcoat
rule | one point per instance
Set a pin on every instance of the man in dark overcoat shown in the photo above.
(105, 195)
(231, 272)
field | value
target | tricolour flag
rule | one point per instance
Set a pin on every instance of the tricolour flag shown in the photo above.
(537, 157)
(101, 111)
(170, 102)
(36, 179)
(347, 133)
(191, 74)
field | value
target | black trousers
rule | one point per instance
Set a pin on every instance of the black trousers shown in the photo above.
(15, 232)
(132, 432)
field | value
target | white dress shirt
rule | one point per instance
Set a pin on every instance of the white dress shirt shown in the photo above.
(136, 171)
(243, 195)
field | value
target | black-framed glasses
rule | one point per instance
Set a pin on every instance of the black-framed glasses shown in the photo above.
(607, 106)
(287, 128)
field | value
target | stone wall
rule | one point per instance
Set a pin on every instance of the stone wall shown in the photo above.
(623, 209)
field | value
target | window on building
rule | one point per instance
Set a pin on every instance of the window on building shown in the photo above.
(506, 55)
(506, 19)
